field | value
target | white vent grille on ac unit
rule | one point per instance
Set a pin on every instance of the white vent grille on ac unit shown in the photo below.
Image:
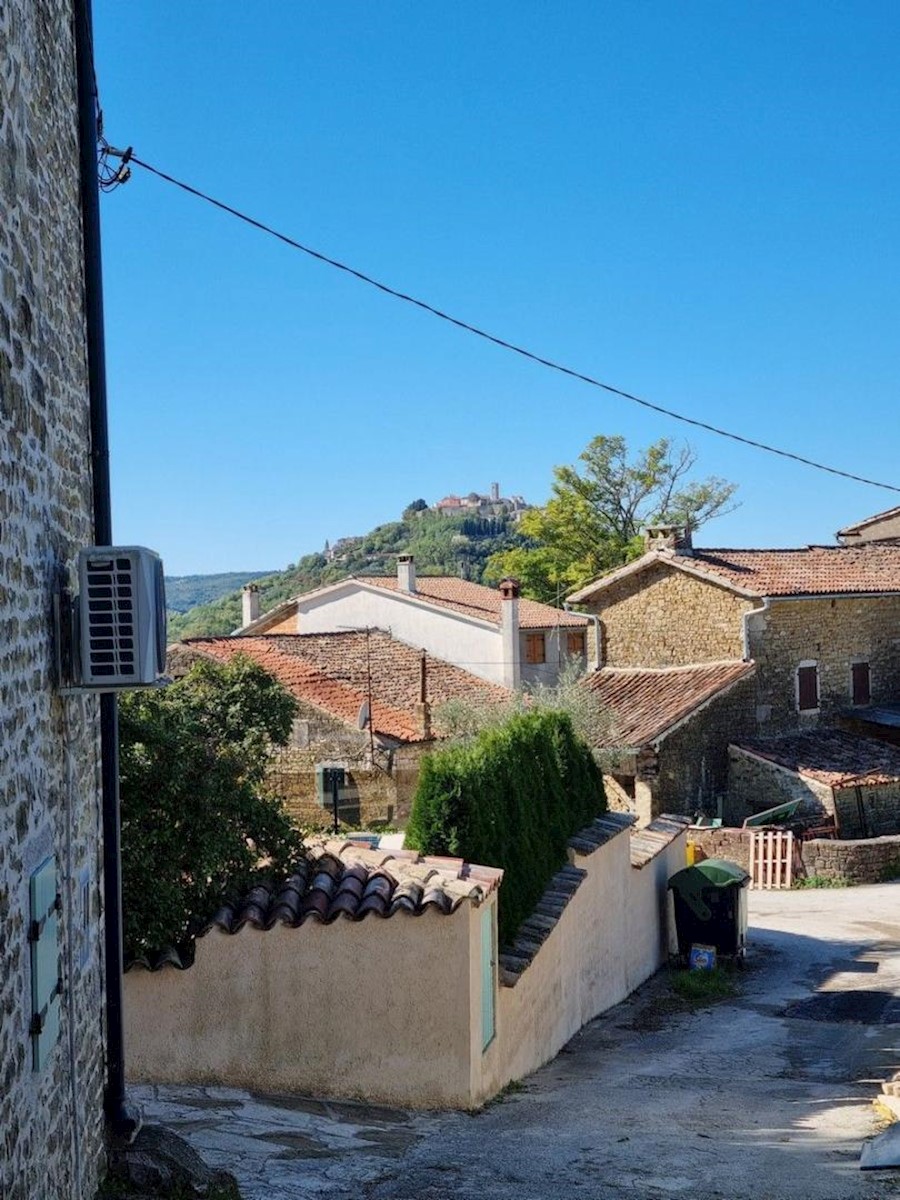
(122, 615)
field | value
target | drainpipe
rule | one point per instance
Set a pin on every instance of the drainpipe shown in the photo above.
(598, 648)
(745, 625)
(124, 1122)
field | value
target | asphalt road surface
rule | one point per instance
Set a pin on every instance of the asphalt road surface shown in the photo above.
(767, 1096)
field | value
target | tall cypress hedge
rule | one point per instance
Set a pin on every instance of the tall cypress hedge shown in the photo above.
(510, 798)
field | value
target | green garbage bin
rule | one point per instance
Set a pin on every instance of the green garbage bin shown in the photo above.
(710, 906)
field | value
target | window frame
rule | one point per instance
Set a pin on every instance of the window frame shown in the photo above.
(532, 640)
(854, 663)
(807, 664)
(581, 636)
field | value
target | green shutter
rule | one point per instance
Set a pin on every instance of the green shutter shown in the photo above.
(46, 984)
(487, 976)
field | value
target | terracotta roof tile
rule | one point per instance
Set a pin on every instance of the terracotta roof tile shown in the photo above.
(650, 841)
(816, 570)
(342, 879)
(636, 705)
(476, 600)
(331, 671)
(830, 756)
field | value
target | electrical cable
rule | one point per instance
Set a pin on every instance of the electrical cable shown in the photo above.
(129, 156)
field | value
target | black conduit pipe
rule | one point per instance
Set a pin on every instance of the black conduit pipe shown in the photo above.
(123, 1121)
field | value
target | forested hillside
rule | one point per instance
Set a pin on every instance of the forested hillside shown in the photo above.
(187, 591)
(443, 545)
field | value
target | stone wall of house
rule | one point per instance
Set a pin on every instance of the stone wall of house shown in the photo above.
(661, 617)
(832, 633)
(376, 793)
(866, 861)
(693, 760)
(51, 1130)
(755, 784)
(868, 812)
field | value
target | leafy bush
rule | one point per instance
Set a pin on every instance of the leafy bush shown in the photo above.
(196, 819)
(511, 798)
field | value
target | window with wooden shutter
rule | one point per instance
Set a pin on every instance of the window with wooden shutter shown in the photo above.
(535, 648)
(861, 685)
(808, 687)
(575, 644)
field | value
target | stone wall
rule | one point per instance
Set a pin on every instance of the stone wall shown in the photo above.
(51, 1132)
(868, 812)
(755, 784)
(730, 844)
(661, 617)
(376, 793)
(693, 760)
(866, 861)
(831, 633)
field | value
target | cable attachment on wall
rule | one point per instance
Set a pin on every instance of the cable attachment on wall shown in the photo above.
(111, 175)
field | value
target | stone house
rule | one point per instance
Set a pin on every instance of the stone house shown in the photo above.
(853, 781)
(369, 705)
(489, 632)
(52, 982)
(816, 632)
(882, 527)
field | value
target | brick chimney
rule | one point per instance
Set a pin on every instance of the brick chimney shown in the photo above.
(509, 632)
(668, 537)
(406, 572)
(249, 603)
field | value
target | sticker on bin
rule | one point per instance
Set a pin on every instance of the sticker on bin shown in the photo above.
(702, 958)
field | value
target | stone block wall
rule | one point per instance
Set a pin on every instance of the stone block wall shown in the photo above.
(51, 1131)
(379, 793)
(661, 617)
(755, 784)
(868, 812)
(693, 760)
(831, 633)
(866, 861)
(731, 844)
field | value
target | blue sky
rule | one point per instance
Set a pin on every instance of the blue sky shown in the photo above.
(696, 202)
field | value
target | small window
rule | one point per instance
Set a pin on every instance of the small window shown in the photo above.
(575, 644)
(535, 648)
(808, 687)
(860, 683)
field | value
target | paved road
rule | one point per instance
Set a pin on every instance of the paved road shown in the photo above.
(767, 1097)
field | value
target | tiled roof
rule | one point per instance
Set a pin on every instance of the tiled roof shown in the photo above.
(830, 756)
(637, 704)
(476, 600)
(331, 671)
(650, 841)
(815, 570)
(850, 530)
(348, 879)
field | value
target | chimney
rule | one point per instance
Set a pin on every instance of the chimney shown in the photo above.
(406, 572)
(668, 537)
(495, 492)
(509, 631)
(249, 603)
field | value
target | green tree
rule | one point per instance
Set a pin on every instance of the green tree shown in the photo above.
(594, 517)
(197, 822)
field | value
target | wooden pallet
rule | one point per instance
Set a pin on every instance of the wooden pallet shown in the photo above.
(771, 858)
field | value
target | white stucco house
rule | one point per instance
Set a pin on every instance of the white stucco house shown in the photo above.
(490, 632)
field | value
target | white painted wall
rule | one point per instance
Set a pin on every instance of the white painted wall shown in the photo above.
(475, 645)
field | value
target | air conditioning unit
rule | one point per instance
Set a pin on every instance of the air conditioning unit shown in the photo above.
(121, 615)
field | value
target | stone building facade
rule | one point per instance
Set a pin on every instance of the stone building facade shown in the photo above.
(51, 1115)
(665, 618)
(820, 626)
